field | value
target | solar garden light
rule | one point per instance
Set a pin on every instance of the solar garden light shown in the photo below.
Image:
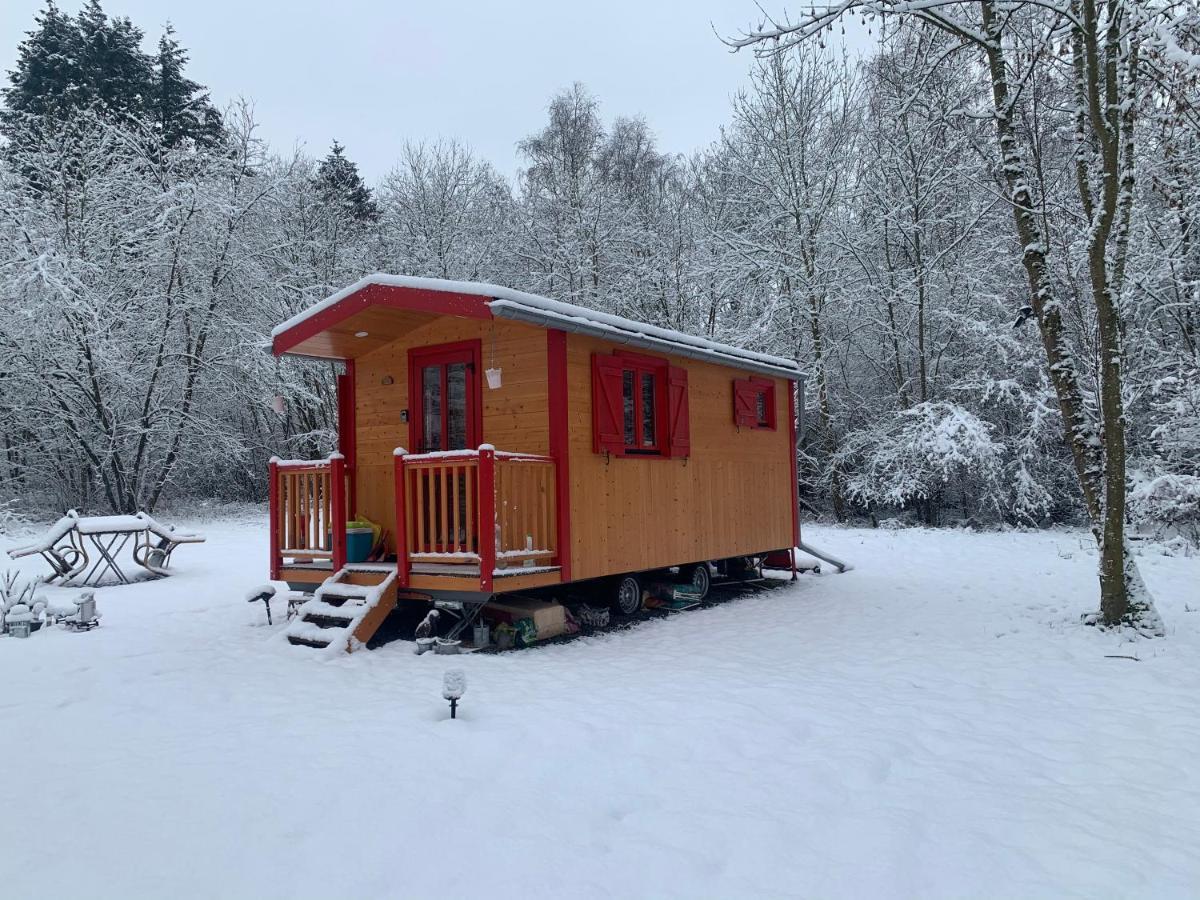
(454, 685)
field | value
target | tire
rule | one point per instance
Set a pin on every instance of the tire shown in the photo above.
(626, 595)
(700, 579)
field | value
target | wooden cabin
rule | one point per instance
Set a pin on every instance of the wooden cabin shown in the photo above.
(507, 442)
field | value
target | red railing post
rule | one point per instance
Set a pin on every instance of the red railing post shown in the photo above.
(337, 512)
(273, 505)
(487, 516)
(401, 519)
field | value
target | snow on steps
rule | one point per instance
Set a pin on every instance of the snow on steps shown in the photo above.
(341, 617)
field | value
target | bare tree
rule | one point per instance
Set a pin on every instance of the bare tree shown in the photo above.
(1018, 45)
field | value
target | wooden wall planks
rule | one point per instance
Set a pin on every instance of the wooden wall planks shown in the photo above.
(731, 497)
(514, 415)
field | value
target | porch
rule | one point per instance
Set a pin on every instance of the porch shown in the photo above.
(467, 521)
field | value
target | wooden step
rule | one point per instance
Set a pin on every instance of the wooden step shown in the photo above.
(312, 634)
(306, 642)
(328, 610)
(338, 612)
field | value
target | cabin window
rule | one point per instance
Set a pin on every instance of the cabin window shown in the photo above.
(754, 403)
(641, 381)
(639, 406)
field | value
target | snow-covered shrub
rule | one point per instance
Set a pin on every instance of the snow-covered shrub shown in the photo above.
(920, 451)
(1176, 405)
(17, 600)
(1167, 505)
(12, 518)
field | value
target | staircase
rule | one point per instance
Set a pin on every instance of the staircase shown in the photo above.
(345, 611)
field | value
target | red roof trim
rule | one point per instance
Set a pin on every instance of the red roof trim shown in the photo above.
(446, 303)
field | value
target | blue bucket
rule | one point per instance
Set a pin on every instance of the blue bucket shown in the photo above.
(358, 544)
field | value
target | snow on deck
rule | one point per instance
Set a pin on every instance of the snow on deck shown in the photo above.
(935, 723)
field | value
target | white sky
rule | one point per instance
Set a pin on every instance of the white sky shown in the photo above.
(374, 74)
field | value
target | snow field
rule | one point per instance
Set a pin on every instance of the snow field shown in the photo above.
(935, 723)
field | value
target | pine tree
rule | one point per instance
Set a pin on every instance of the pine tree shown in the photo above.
(47, 77)
(180, 107)
(67, 64)
(340, 183)
(114, 71)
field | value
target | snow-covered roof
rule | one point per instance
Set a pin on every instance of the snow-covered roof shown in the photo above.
(506, 303)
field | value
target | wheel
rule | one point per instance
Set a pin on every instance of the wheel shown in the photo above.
(700, 578)
(627, 595)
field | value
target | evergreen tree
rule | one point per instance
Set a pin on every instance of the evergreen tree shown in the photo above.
(180, 107)
(339, 183)
(67, 64)
(114, 71)
(47, 76)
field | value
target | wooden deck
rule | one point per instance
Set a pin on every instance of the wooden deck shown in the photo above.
(428, 576)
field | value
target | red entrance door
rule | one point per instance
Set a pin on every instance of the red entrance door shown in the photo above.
(447, 411)
(444, 393)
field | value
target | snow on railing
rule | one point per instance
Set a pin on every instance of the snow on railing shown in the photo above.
(444, 498)
(308, 511)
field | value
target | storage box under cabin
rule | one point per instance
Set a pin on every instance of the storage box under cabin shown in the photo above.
(500, 455)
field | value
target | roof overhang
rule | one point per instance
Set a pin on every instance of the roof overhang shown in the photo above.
(367, 316)
(380, 308)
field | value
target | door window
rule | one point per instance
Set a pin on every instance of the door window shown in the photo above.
(431, 409)
(445, 397)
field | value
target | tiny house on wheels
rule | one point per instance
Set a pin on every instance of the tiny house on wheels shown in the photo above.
(503, 442)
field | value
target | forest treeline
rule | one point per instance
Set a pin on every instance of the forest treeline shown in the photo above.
(853, 215)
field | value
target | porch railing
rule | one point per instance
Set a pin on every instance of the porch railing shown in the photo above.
(308, 512)
(475, 508)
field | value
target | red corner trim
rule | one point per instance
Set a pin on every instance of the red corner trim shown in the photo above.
(337, 495)
(795, 474)
(560, 448)
(273, 505)
(347, 424)
(445, 303)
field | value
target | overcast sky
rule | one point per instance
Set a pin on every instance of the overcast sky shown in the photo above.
(374, 74)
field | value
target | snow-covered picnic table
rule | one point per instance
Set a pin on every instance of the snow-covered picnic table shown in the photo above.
(65, 546)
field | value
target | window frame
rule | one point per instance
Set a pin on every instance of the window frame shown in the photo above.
(672, 428)
(641, 366)
(756, 390)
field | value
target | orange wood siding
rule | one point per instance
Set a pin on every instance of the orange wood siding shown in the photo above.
(731, 497)
(514, 416)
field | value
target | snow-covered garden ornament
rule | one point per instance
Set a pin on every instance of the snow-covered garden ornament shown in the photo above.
(454, 685)
(19, 621)
(263, 592)
(86, 616)
(19, 608)
(425, 633)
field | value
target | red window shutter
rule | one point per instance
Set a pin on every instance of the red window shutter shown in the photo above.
(679, 429)
(607, 405)
(745, 411)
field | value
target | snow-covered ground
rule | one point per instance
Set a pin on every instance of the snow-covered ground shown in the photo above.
(935, 723)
